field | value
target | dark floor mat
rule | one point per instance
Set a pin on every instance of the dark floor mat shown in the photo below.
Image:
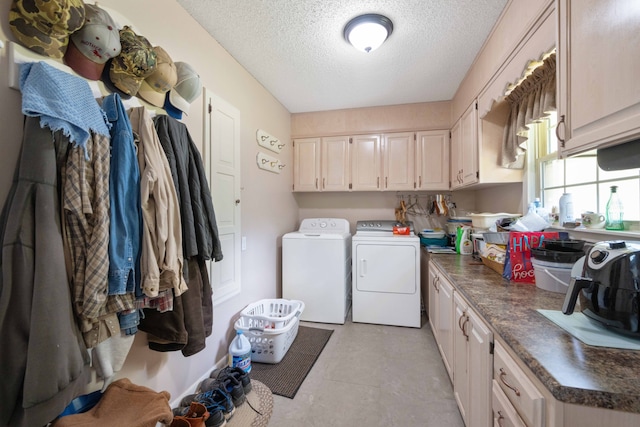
(286, 377)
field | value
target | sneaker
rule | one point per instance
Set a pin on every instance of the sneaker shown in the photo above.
(228, 384)
(215, 399)
(237, 373)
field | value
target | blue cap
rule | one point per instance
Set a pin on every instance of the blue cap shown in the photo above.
(170, 109)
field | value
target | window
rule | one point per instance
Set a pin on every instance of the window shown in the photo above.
(578, 175)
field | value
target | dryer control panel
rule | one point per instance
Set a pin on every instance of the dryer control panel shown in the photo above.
(381, 225)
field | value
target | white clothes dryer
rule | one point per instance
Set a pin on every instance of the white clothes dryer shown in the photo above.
(316, 269)
(386, 275)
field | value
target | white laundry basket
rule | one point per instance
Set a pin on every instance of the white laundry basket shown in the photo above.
(271, 325)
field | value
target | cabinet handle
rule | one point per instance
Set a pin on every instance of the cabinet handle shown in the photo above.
(323, 183)
(378, 183)
(435, 283)
(464, 313)
(557, 130)
(386, 182)
(464, 327)
(504, 374)
(316, 183)
(500, 418)
(419, 182)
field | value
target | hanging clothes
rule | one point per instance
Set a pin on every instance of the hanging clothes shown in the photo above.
(44, 363)
(161, 257)
(199, 227)
(191, 321)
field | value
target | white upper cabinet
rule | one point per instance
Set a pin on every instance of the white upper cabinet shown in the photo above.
(306, 164)
(464, 148)
(598, 73)
(398, 151)
(432, 160)
(335, 164)
(321, 164)
(365, 162)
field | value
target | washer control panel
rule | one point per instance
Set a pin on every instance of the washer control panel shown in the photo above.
(324, 225)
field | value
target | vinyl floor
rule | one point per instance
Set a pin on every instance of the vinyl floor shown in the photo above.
(373, 375)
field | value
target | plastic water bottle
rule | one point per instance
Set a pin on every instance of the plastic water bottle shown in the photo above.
(566, 209)
(240, 352)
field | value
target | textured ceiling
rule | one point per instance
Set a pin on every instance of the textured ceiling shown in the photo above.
(296, 50)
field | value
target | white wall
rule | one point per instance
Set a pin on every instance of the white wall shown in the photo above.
(268, 207)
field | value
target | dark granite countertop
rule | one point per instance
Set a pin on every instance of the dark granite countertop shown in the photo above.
(572, 371)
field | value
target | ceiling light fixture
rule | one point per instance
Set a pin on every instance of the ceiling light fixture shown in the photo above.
(368, 32)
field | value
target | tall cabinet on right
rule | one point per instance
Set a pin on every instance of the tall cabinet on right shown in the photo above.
(598, 73)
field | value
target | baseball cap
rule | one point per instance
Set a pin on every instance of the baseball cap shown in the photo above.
(136, 61)
(187, 89)
(94, 44)
(161, 81)
(44, 26)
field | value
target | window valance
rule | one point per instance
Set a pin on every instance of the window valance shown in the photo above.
(529, 102)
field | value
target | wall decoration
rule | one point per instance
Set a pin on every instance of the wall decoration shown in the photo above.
(269, 142)
(269, 163)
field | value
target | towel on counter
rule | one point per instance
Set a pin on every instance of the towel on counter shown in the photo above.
(62, 101)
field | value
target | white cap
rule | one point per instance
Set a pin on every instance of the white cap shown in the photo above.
(187, 89)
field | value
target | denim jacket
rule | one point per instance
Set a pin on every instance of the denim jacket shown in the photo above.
(124, 192)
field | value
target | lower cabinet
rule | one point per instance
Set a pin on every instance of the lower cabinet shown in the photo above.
(442, 301)
(521, 393)
(472, 366)
(465, 343)
(504, 414)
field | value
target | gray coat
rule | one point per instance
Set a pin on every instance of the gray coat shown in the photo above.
(43, 362)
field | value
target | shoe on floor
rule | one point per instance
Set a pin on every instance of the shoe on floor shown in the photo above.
(227, 383)
(195, 415)
(214, 400)
(237, 373)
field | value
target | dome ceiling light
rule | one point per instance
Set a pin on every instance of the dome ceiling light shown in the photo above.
(368, 32)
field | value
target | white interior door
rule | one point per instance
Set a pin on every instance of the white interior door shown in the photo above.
(222, 155)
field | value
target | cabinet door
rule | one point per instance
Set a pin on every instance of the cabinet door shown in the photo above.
(434, 312)
(445, 323)
(480, 371)
(598, 63)
(399, 160)
(456, 155)
(469, 144)
(461, 357)
(432, 160)
(306, 164)
(365, 163)
(472, 366)
(335, 163)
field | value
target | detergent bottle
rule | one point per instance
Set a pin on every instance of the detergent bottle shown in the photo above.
(240, 352)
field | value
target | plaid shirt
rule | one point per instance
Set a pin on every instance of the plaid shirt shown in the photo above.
(86, 211)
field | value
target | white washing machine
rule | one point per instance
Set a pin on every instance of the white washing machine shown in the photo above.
(316, 269)
(386, 275)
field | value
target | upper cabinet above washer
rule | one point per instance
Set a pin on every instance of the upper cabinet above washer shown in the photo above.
(598, 79)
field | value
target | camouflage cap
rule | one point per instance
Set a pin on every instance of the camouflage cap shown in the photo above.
(165, 76)
(44, 26)
(136, 61)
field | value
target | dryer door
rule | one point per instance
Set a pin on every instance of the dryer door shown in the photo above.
(389, 268)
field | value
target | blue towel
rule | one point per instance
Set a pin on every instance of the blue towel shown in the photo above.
(63, 102)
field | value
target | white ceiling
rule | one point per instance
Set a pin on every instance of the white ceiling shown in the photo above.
(296, 50)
